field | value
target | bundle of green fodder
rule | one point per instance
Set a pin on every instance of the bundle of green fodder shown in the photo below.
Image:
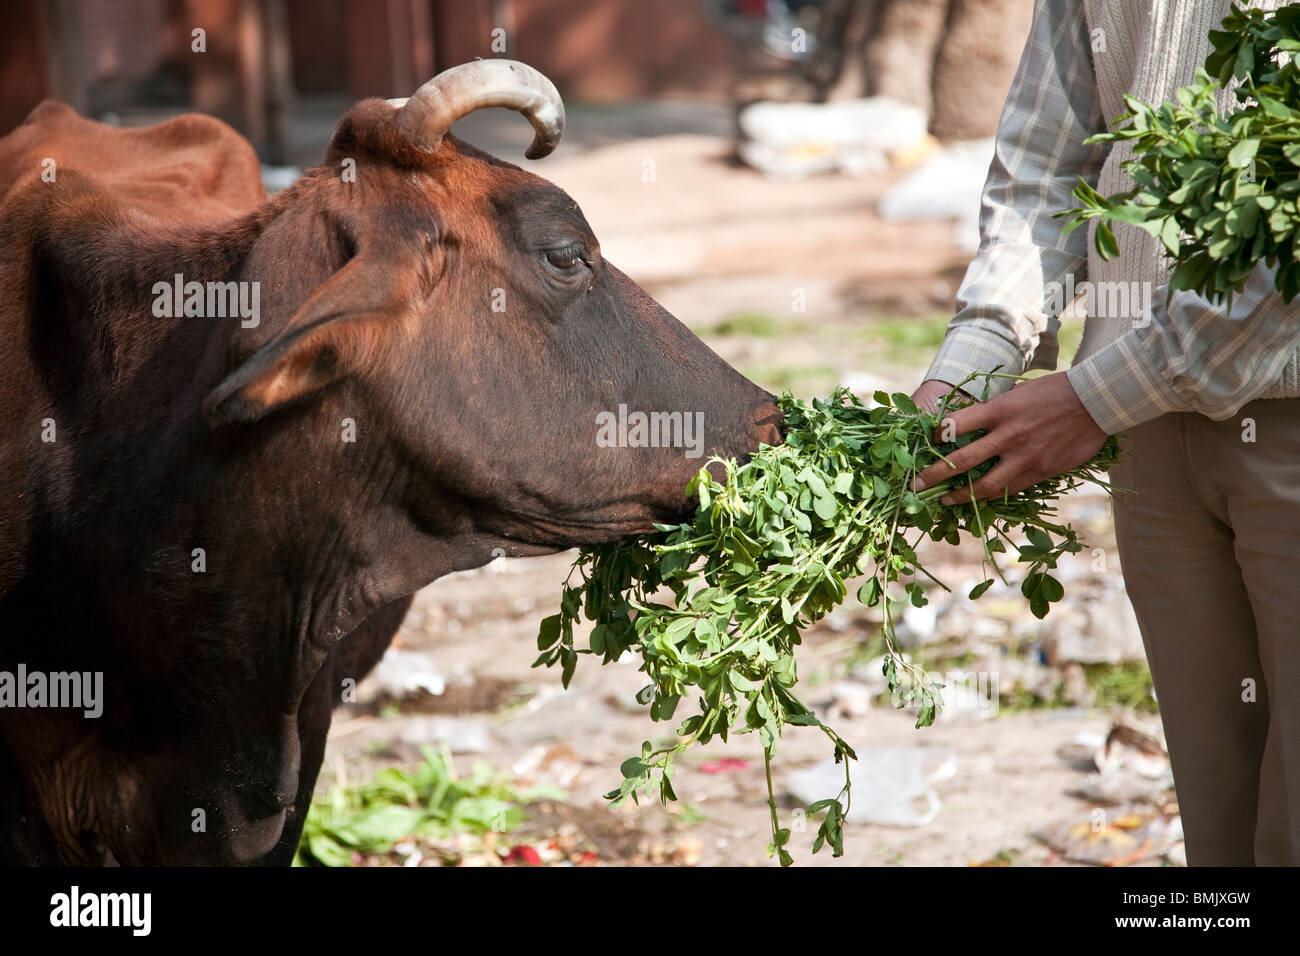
(769, 552)
(1220, 191)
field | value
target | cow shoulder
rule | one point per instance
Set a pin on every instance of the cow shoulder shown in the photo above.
(191, 168)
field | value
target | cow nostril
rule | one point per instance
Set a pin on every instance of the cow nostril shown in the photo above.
(769, 423)
(260, 804)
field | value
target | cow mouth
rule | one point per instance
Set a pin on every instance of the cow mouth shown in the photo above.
(577, 531)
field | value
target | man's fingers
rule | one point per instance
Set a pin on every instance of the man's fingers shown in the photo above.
(968, 419)
(962, 459)
(1007, 477)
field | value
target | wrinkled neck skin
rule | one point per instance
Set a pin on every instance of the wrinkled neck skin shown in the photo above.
(379, 533)
(304, 565)
(222, 657)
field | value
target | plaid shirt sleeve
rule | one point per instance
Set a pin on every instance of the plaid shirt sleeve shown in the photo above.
(1004, 316)
(1191, 356)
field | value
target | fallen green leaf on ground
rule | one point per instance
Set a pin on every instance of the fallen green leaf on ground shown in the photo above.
(430, 802)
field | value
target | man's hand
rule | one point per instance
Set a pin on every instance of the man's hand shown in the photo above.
(930, 392)
(1038, 430)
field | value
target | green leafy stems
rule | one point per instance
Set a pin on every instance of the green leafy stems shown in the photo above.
(769, 552)
(1219, 192)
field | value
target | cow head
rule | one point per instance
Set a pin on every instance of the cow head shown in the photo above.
(523, 376)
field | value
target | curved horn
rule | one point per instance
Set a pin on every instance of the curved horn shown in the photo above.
(426, 116)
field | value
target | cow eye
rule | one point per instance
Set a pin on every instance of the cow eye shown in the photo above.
(566, 259)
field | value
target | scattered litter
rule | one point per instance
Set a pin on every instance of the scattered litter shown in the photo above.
(1113, 838)
(1099, 631)
(947, 185)
(559, 764)
(724, 765)
(1127, 748)
(792, 140)
(1122, 787)
(409, 851)
(891, 785)
(461, 736)
(686, 851)
(465, 693)
(849, 698)
(917, 625)
(401, 673)
(523, 855)
(1001, 858)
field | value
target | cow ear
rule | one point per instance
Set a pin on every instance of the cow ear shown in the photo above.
(342, 329)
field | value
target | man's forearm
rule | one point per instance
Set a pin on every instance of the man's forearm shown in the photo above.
(1006, 313)
(1193, 355)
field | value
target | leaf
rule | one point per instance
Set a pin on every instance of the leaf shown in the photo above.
(804, 720)
(548, 632)
(978, 590)
(1240, 156)
(634, 768)
(1038, 538)
(813, 481)
(1104, 239)
(1038, 606)
(1170, 234)
(1042, 590)
(904, 404)
(869, 594)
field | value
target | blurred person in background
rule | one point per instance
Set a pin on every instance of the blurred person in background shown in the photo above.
(1207, 402)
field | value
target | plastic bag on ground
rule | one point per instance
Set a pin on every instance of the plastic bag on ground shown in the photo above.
(948, 185)
(891, 785)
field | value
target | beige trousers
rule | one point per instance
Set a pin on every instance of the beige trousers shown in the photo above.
(1209, 541)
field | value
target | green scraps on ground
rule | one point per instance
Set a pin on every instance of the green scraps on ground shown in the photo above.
(431, 802)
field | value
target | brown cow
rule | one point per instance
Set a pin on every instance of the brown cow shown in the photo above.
(225, 515)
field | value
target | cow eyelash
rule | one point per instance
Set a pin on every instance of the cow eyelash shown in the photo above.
(566, 257)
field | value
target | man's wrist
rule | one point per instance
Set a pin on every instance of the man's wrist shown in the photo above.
(969, 350)
(1119, 387)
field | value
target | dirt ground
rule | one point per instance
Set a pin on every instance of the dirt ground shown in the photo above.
(801, 286)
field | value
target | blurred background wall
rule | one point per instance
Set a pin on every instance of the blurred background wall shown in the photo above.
(952, 57)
